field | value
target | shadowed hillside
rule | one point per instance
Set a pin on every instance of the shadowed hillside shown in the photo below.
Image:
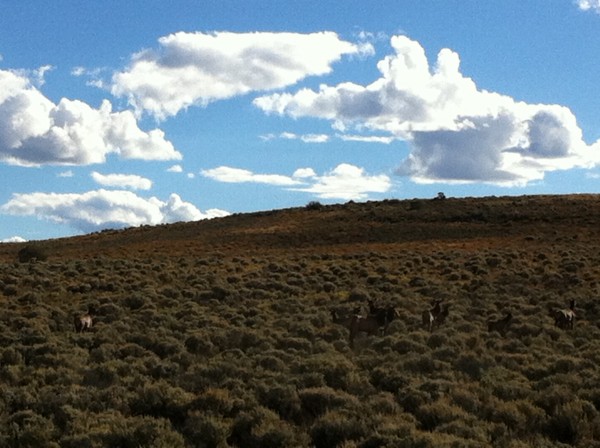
(485, 222)
(235, 332)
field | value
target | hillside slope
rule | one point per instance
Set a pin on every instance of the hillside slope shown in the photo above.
(485, 222)
(231, 333)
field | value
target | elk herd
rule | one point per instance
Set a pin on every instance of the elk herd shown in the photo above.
(377, 319)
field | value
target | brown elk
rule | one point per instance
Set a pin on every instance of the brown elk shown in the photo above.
(344, 321)
(429, 316)
(383, 315)
(373, 323)
(565, 319)
(441, 317)
(82, 322)
(501, 325)
(365, 324)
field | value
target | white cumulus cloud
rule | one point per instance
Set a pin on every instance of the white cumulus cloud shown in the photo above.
(197, 68)
(343, 182)
(132, 181)
(237, 175)
(586, 5)
(13, 239)
(456, 131)
(347, 182)
(101, 209)
(34, 131)
(175, 169)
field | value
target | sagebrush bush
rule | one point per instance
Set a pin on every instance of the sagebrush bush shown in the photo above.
(335, 427)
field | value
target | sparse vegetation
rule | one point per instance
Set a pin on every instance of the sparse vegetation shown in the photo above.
(220, 333)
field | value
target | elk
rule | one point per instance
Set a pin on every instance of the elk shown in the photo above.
(344, 321)
(565, 319)
(82, 322)
(429, 316)
(441, 317)
(365, 324)
(383, 315)
(373, 323)
(501, 325)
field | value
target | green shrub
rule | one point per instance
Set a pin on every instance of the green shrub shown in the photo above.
(206, 431)
(574, 423)
(262, 428)
(432, 415)
(102, 376)
(26, 429)
(284, 400)
(314, 205)
(217, 401)
(319, 400)
(471, 365)
(388, 379)
(335, 368)
(11, 357)
(161, 400)
(336, 427)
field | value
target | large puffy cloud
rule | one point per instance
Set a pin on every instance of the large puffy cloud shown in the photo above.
(456, 131)
(100, 209)
(35, 131)
(197, 68)
(347, 182)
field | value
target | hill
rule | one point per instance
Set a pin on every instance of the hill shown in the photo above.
(485, 222)
(220, 333)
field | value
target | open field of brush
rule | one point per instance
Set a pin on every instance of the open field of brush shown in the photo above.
(220, 334)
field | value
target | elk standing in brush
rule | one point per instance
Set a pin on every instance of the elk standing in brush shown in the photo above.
(383, 315)
(345, 321)
(82, 322)
(371, 324)
(429, 316)
(565, 319)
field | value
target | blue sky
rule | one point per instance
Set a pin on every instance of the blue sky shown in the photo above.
(117, 114)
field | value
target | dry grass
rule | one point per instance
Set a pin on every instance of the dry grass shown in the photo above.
(219, 333)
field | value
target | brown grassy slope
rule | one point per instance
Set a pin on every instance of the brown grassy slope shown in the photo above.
(426, 225)
(220, 333)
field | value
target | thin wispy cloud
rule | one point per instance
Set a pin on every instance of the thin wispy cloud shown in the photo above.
(131, 181)
(306, 138)
(237, 175)
(100, 209)
(324, 138)
(366, 138)
(198, 68)
(35, 131)
(456, 131)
